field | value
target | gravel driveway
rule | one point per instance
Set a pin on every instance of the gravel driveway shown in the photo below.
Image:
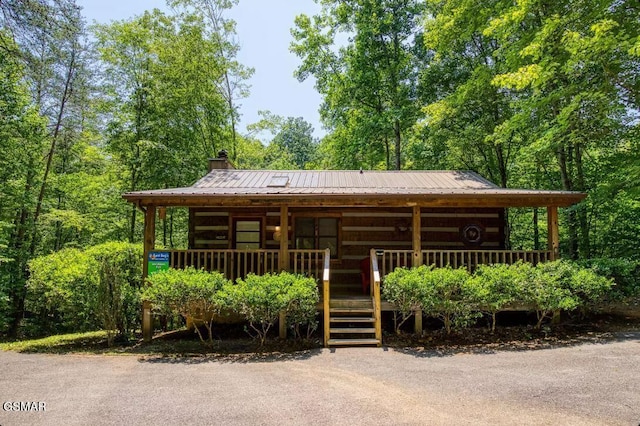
(584, 384)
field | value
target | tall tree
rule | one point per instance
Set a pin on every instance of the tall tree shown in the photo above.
(465, 112)
(572, 108)
(22, 142)
(221, 30)
(46, 38)
(369, 83)
(164, 109)
(296, 138)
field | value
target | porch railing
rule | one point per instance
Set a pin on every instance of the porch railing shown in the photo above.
(232, 263)
(239, 263)
(391, 259)
(308, 262)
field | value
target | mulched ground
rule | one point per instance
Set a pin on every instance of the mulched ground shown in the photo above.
(232, 343)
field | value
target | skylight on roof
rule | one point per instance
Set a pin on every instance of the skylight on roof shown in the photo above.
(278, 181)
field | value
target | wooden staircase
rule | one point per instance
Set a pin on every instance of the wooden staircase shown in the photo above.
(352, 322)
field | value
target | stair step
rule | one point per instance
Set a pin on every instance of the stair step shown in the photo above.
(351, 310)
(360, 330)
(352, 319)
(350, 342)
(351, 304)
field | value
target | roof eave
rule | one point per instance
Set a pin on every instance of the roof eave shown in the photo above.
(443, 199)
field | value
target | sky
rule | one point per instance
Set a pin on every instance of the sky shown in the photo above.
(263, 34)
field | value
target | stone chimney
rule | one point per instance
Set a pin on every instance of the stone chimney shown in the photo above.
(222, 162)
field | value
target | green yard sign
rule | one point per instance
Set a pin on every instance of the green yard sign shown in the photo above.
(158, 261)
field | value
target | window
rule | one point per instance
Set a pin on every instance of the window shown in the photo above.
(247, 234)
(317, 233)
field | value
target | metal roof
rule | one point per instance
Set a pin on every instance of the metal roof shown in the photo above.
(327, 183)
(338, 182)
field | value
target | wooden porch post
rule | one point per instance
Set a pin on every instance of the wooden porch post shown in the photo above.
(284, 261)
(284, 238)
(417, 259)
(149, 245)
(417, 242)
(553, 237)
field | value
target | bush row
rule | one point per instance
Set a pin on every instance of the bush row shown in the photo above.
(202, 295)
(458, 298)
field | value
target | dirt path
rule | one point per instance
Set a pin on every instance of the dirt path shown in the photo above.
(585, 384)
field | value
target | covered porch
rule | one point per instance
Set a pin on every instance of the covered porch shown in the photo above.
(348, 229)
(339, 310)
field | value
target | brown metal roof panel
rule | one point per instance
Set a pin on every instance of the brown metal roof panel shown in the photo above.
(293, 179)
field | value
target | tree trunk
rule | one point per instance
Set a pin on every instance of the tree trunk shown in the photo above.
(564, 157)
(56, 132)
(387, 150)
(398, 140)
(583, 222)
(536, 230)
(18, 272)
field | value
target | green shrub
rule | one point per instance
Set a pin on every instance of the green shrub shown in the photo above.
(261, 299)
(565, 285)
(590, 287)
(550, 289)
(450, 295)
(500, 285)
(61, 292)
(403, 288)
(303, 297)
(191, 293)
(118, 286)
(624, 272)
(74, 290)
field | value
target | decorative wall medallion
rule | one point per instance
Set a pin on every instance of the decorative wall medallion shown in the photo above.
(472, 234)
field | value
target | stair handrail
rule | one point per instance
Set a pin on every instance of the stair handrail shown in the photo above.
(326, 296)
(375, 285)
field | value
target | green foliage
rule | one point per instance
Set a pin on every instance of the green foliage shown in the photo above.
(57, 343)
(404, 289)
(563, 285)
(457, 298)
(261, 299)
(296, 138)
(624, 272)
(118, 286)
(369, 83)
(498, 286)
(450, 296)
(61, 292)
(76, 290)
(5, 309)
(549, 290)
(192, 293)
(444, 293)
(303, 297)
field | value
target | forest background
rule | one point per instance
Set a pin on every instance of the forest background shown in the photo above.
(528, 93)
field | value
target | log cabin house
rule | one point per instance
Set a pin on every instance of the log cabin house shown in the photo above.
(345, 228)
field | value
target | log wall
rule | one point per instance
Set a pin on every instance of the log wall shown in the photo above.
(360, 229)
